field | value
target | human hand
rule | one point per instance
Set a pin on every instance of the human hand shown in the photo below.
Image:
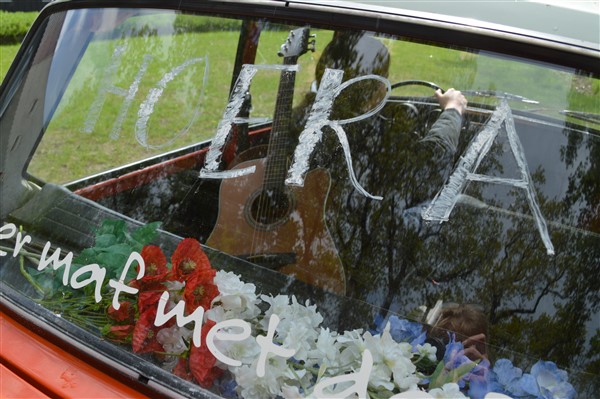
(475, 347)
(451, 99)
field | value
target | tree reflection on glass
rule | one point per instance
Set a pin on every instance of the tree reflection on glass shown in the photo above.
(489, 253)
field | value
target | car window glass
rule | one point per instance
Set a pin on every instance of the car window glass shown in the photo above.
(146, 60)
(307, 176)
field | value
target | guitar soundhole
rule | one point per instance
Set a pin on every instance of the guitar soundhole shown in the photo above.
(269, 208)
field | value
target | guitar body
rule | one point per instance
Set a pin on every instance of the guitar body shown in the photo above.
(290, 237)
(269, 223)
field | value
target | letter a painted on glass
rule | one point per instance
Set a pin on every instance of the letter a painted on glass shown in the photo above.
(442, 205)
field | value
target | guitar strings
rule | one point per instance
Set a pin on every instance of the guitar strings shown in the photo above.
(275, 165)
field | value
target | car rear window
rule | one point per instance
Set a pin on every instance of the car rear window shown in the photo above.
(269, 209)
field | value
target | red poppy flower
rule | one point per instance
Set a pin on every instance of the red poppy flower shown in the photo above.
(182, 369)
(188, 257)
(155, 263)
(148, 299)
(200, 290)
(144, 333)
(124, 314)
(202, 362)
(120, 333)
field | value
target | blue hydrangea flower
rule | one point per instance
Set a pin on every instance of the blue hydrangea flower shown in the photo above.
(504, 376)
(454, 357)
(552, 381)
(528, 386)
(380, 323)
(510, 380)
(401, 330)
(407, 331)
(479, 380)
(227, 388)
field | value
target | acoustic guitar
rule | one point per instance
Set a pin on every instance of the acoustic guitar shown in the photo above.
(263, 220)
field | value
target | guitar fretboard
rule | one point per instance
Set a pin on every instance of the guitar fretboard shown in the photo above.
(282, 141)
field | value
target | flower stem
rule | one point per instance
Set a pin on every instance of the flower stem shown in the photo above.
(36, 257)
(304, 388)
(299, 366)
(28, 276)
(181, 355)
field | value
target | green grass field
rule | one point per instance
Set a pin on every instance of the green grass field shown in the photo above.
(68, 152)
(7, 54)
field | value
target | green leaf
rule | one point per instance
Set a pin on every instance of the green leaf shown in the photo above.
(146, 233)
(461, 371)
(106, 329)
(86, 257)
(113, 263)
(322, 370)
(105, 240)
(437, 379)
(113, 258)
(114, 227)
(51, 282)
(442, 376)
(121, 248)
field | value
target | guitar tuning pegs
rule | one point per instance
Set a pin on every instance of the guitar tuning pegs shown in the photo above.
(312, 43)
(283, 51)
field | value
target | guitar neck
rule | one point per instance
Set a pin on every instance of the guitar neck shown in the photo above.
(281, 141)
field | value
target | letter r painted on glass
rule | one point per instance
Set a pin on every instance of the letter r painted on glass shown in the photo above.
(330, 88)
